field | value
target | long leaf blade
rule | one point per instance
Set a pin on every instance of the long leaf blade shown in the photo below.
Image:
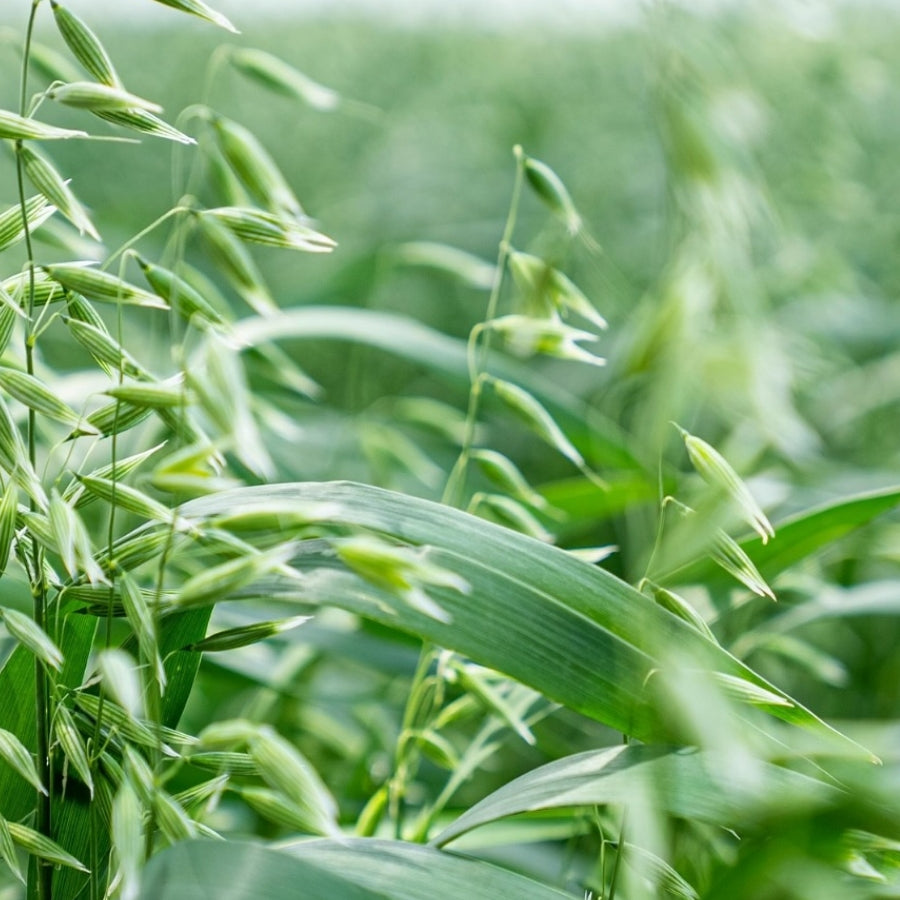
(360, 869)
(569, 629)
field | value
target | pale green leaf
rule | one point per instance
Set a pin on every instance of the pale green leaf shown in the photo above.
(685, 783)
(354, 869)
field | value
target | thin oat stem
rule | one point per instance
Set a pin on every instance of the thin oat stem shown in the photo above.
(453, 492)
(660, 525)
(144, 232)
(40, 326)
(154, 694)
(620, 850)
(476, 355)
(402, 757)
(42, 889)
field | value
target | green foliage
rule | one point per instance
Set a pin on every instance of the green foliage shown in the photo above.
(539, 654)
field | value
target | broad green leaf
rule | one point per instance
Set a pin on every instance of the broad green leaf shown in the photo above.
(568, 629)
(174, 632)
(17, 704)
(685, 783)
(351, 869)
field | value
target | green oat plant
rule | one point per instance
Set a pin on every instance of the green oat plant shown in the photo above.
(142, 531)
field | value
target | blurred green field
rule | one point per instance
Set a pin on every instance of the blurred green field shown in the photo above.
(736, 134)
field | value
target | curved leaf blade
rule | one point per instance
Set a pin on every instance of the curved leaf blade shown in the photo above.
(359, 869)
(571, 630)
(686, 783)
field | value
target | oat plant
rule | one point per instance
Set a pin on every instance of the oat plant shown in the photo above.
(144, 529)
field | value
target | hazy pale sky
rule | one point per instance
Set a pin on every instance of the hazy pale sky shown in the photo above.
(492, 13)
(412, 12)
(815, 15)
